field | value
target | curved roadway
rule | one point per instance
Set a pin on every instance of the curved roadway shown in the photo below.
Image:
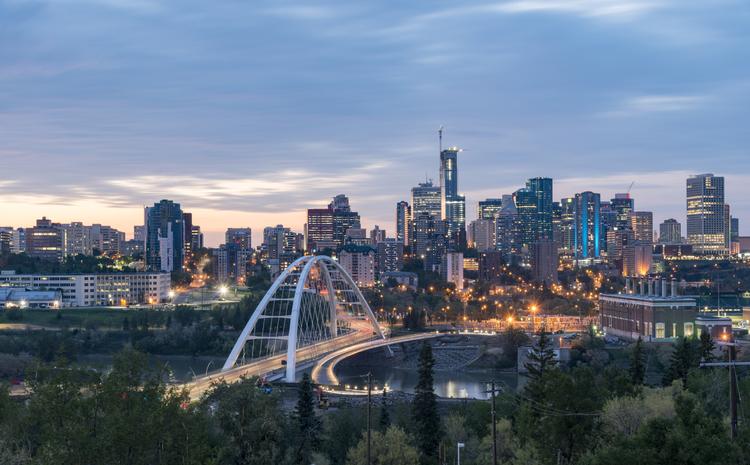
(271, 365)
(324, 370)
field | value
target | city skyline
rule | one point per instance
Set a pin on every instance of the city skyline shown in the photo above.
(245, 131)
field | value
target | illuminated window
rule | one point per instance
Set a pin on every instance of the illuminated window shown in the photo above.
(660, 330)
(689, 329)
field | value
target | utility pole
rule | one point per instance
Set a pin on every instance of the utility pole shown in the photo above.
(492, 392)
(733, 394)
(369, 411)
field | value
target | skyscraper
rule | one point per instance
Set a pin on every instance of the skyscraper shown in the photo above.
(319, 229)
(587, 225)
(452, 205)
(622, 205)
(542, 189)
(544, 261)
(403, 219)
(241, 237)
(489, 209)
(706, 226)
(425, 198)
(164, 236)
(528, 218)
(670, 232)
(642, 224)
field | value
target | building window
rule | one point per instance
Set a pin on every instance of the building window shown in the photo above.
(674, 329)
(689, 330)
(660, 330)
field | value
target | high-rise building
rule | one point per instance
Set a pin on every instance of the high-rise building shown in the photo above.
(187, 224)
(587, 226)
(542, 189)
(452, 269)
(727, 228)
(241, 237)
(734, 232)
(319, 229)
(642, 224)
(196, 238)
(544, 261)
(425, 198)
(343, 219)
(566, 230)
(231, 262)
(281, 247)
(482, 233)
(359, 262)
(489, 209)
(507, 228)
(670, 232)
(527, 210)
(164, 241)
(390, 255)
(6, 239)
(403, 220)
(139, 233)
(357, 236)
(623, 205)
(46, 240)
(377, 235)
(77, 239)
(327, 227)
(609, 221)
(706, 226)
(19, 241)
(637, 260)
(452, 205)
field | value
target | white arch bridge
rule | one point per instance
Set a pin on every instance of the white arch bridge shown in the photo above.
(312, 309)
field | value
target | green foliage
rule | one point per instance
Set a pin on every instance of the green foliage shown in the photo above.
(394, 447)
(542, 357)
(250, 421)
(691, 438)
(307, 424)
(425, 413)
(384, 421)
(707, 347)
(637, 367)
(686, 356)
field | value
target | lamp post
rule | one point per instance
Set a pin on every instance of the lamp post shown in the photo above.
(459, 446)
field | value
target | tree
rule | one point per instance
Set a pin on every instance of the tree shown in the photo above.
(684, 357)
(385, 418)
(307, 423)
(542, 357)
(390, 448)
(637, 363)
(707, 347)
(424, 410)
(250, 421)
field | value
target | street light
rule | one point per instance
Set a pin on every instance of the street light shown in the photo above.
(459, 446)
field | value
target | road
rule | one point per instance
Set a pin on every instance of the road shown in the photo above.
(362, 331)
(324, 370)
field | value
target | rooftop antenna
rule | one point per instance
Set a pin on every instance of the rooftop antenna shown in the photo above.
(440, 138)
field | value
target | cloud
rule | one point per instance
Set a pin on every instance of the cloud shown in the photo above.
(644, 104)
(303, 12)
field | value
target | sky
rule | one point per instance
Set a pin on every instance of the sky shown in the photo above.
(248, 113)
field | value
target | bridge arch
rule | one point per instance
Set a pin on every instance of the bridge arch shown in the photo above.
(312, 302)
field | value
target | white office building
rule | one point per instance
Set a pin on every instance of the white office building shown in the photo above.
(91, 290)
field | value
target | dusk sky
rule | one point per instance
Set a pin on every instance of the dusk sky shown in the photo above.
(248, 113)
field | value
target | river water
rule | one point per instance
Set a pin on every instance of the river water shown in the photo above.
(457, 384)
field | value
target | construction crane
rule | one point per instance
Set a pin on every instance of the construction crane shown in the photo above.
(631, 186)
